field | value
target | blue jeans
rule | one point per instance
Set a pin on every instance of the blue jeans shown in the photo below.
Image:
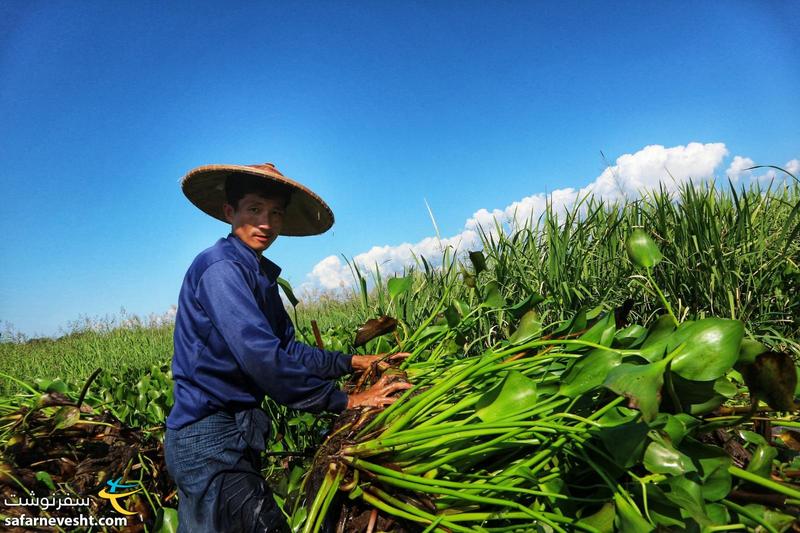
(216, 464)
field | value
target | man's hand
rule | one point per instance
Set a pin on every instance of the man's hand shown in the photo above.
(380, 394)
(363, 362)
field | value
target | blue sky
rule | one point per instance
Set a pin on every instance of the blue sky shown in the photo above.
(376, 106)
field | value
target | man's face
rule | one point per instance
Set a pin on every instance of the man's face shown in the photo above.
(257, 221)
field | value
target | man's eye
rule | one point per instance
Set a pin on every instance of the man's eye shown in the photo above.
(254, 210)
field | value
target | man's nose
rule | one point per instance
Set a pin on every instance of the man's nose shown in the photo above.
(266, 221)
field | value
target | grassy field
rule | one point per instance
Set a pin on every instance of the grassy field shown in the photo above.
(90, 345)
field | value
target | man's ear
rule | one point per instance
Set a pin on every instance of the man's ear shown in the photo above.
(228, 210)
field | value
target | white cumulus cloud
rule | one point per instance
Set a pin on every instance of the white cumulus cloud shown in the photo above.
(738, 168)
(793, 167)
(629, 177)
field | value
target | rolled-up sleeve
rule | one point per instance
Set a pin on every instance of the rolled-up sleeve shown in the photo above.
(225, 292)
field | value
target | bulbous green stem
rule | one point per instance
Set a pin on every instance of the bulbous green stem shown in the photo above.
(450, 457)
(323, 498)
(744, 511)
(550, 519)
(417, 516)
(766, 483)
(661, 296)
(481, 486)
(459, 407)
(452, 431)
(427, 488)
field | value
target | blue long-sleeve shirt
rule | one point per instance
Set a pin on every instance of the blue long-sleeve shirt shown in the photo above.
(234, 342)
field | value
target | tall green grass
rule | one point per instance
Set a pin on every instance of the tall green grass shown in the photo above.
(728, 252)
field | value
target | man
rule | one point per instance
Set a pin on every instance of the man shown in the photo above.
(235, 343)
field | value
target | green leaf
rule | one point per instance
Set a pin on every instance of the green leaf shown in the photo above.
(492, 297)
(576, 324)
(717, 481)
(602, 520)
(45, 479)
(642, 250)
(57, 386)
(655, 345)
(776, 519)
(42, 383)
(688, 496)
(530, 326)
(478, 261)
(287, 290)
(718, 514)
(629, 336)
(625, 443)
(295, 479)
(299, 516)
(362, 282)
(641, 384)
(452, 315)
(617, 417)
(166, 520)
(711, 348)
(602, 332)
(156, 413)
(677, 427)
(462, 308)
(554, 486)
(630, 519)
(661, 457)
(761, 462)
(141, 402)
(398, 286)
(143, 385)
(526, 305)
(662, 511)
(279, 500)
(66, 417)
(701, 397)
(749, 350)
(752, 437)
(589, 372)
(797, 380)
(515, 393)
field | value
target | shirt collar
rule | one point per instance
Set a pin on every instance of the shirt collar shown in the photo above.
(270, 269)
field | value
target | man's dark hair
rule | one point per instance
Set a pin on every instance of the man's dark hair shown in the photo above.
(237, 186)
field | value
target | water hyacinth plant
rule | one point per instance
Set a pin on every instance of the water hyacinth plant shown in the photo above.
(586, 424)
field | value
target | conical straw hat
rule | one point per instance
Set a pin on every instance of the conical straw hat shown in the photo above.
(306, 214)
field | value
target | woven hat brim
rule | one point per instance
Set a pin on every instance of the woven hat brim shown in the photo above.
(306, 214)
